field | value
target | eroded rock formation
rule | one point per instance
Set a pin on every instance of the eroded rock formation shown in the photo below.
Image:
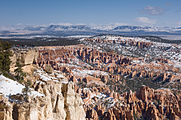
(60, 102)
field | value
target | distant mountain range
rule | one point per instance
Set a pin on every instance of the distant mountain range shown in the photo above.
(67, 30)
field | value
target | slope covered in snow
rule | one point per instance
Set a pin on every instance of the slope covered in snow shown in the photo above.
(10, 87)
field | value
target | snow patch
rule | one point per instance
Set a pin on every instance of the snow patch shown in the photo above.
(9, 87)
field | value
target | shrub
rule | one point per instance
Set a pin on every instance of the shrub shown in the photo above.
(48, 69)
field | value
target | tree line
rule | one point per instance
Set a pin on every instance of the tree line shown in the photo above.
(22, 42)
(5, 54)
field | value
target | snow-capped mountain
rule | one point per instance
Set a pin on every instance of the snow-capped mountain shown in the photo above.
(70, 29)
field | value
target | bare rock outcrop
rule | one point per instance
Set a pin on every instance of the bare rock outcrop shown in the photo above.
(59, 102)
(27, 56)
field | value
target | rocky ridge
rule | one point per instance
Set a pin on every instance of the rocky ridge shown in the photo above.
(58, 101)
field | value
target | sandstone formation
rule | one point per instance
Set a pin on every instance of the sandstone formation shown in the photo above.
(60, 102)
(27, 56)
(146, 103)
(110, 78)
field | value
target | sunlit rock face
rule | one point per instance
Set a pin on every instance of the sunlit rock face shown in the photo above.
(53, 100)
(27, 56)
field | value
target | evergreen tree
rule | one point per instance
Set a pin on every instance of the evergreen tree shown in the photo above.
(5, 54)
(19, 74)
(26, 90)
(1, 60)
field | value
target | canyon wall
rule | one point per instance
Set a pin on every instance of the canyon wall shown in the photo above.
(59, 102)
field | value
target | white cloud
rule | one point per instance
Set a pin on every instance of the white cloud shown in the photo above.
(145, 20)
(151, 10)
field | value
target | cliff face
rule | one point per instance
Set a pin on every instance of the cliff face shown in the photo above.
(63, 102)
(27, 55)
(59, 102)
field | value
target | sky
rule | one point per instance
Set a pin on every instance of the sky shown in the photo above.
(92, 12)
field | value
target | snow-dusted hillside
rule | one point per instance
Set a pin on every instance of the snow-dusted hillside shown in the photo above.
(10, 87)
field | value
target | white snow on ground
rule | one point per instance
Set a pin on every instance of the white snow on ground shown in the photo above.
(48, 77)
(11, 87)
(102, 99)
(56, 76)
(110, 37)
(78, 62)
(8, 86)
(169, 53)
(136, 61)
(68, 65)
(88, 72)
(44, 76)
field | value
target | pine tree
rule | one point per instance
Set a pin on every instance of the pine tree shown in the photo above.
(26, 90)
(19, 74)
(5, 54)
(1, 60)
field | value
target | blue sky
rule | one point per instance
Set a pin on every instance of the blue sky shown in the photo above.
(132, 12)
